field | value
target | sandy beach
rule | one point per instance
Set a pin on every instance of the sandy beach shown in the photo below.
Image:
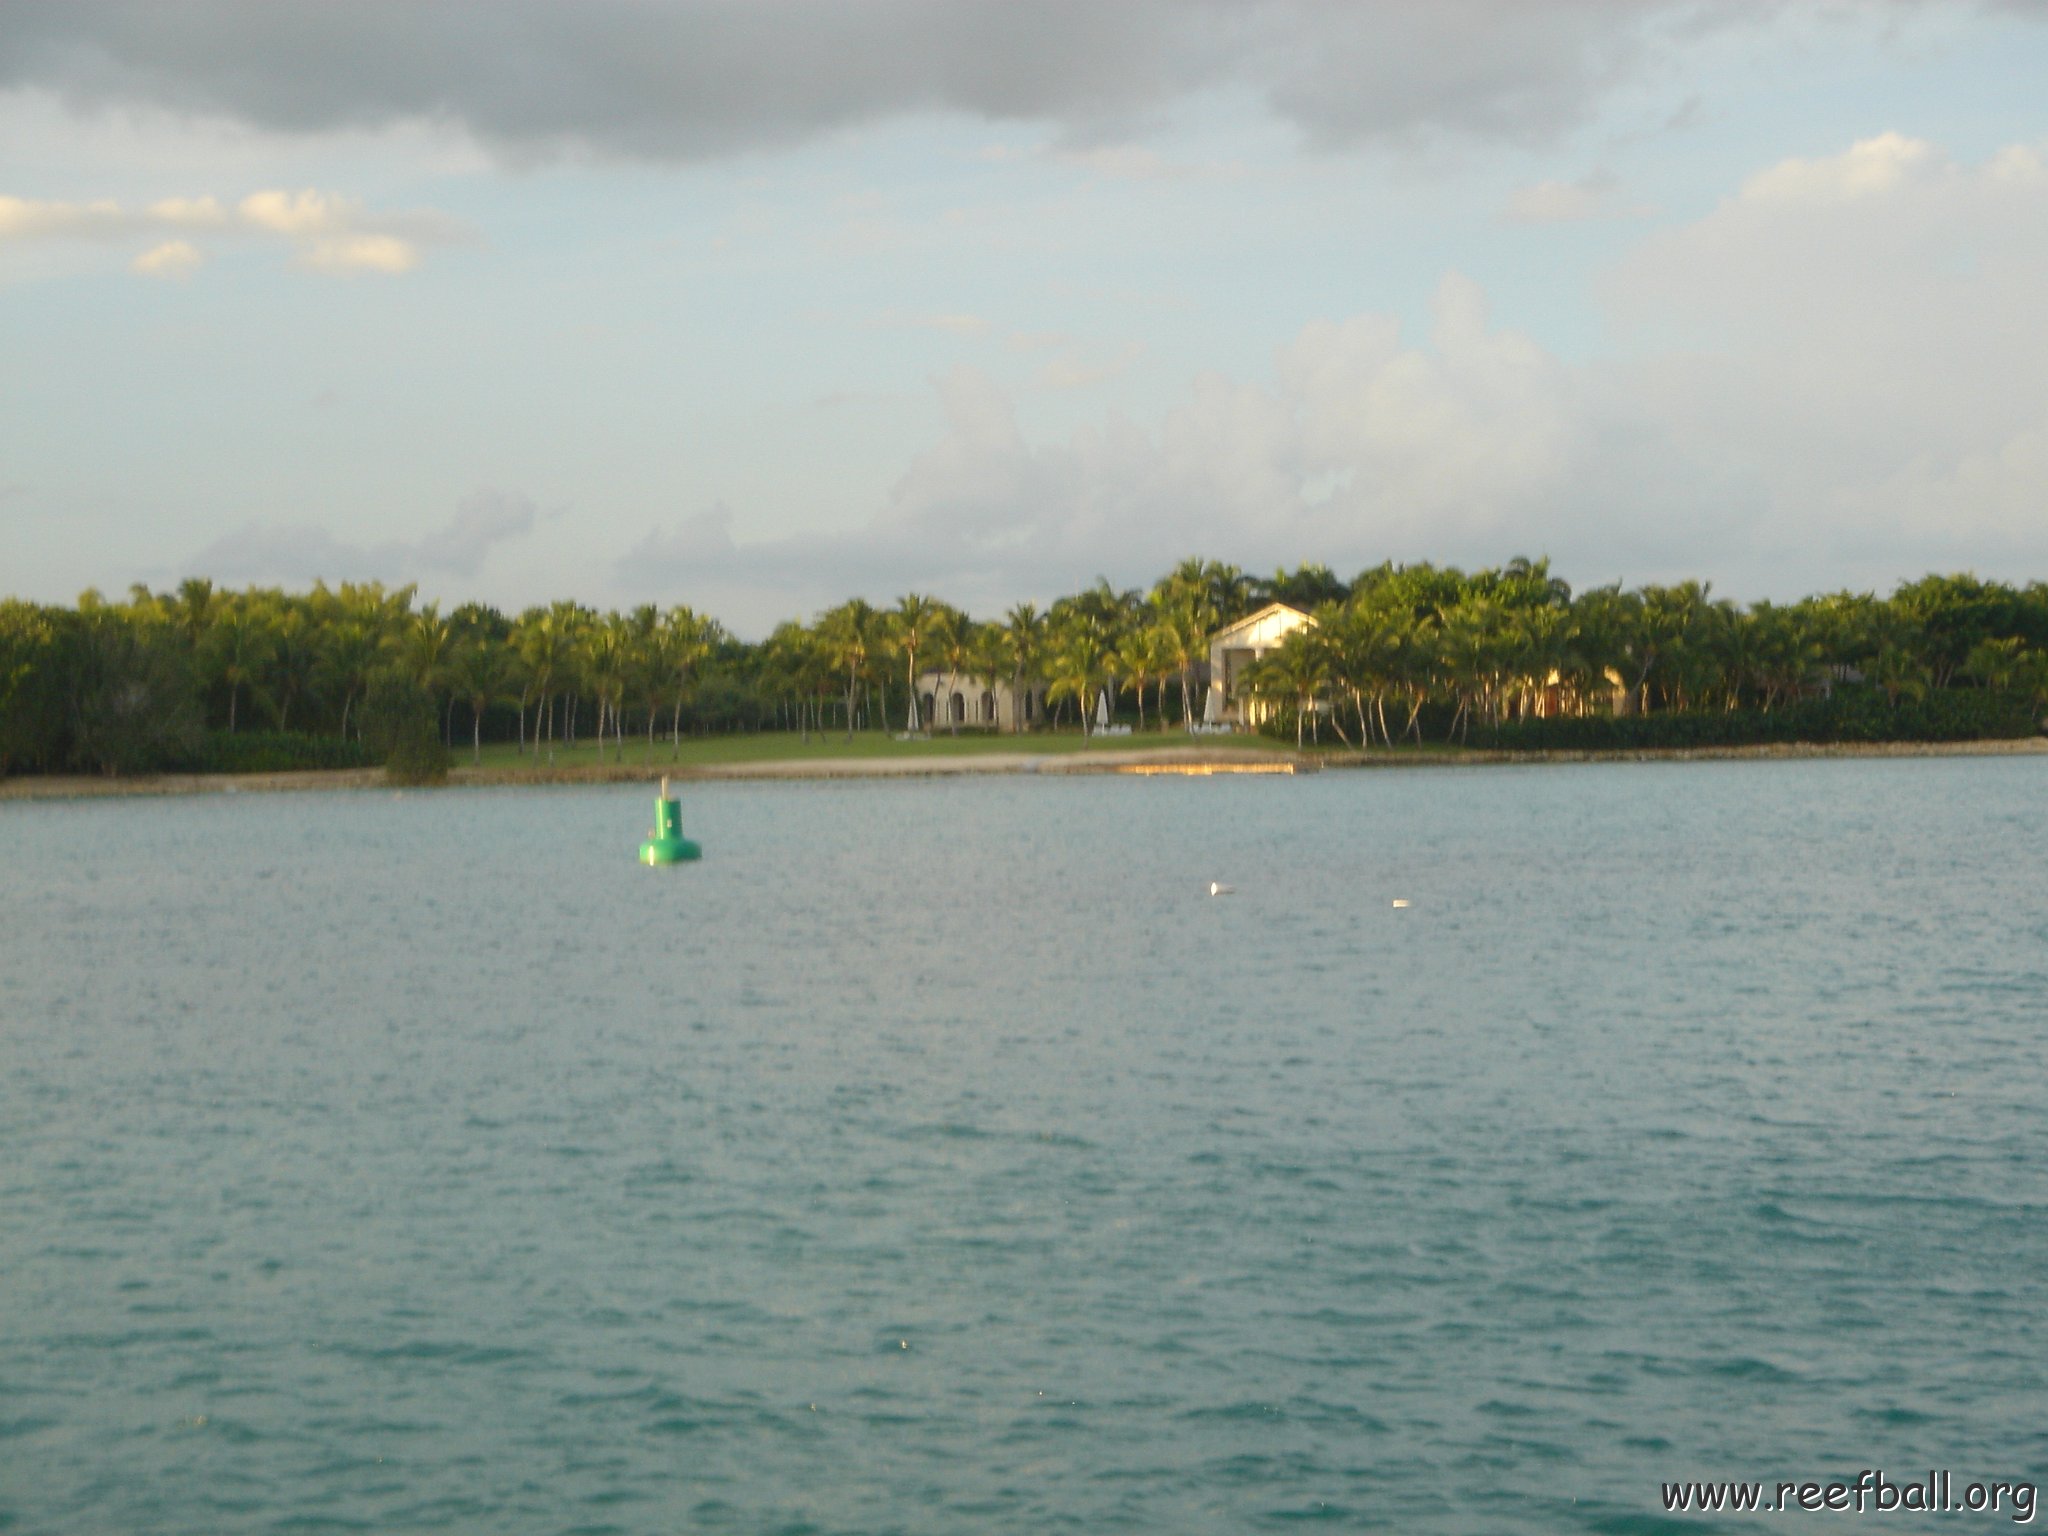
(1202, 760)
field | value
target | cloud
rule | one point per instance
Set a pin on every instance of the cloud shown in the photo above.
(327, 233)
(359, 253)
(174, 258)
(28, 219)
(1832, 378)
(695, 78)
(1863, 330)
(1871, 168)
(296, 553)
(953, 324)
(1076, 370)
(1137, 163)
(1596, 196)
(1362, 444)
(188, 212)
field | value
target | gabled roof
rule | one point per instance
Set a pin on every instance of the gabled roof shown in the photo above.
(1252, 618)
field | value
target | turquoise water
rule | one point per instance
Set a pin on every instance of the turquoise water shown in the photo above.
(942, 1157)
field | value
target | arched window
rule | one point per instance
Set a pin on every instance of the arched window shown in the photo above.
(959, 707)
(927, 712)
(988, 706)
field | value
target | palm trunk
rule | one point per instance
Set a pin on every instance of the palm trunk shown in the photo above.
(476, 735)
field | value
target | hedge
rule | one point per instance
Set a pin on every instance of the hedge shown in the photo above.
(1849, 715)
(273, 752)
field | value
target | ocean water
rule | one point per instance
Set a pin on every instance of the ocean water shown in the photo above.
(941, 1156)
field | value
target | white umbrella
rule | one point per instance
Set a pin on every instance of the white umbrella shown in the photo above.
(1102, 709)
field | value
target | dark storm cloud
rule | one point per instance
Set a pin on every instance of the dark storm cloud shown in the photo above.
(694, 78)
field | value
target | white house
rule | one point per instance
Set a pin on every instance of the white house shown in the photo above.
(1235, 647)
(946, 699)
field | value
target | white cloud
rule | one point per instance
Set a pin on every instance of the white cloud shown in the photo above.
(953, 323)
(1363, 443)
(1832, 378)
(298, 213)
(358, 253)
(1870, 168)
(191, 212)
(327, 233)
(1078, 370)
(30, 219)
(1596, 196)
(1137, 163)
(174, 258)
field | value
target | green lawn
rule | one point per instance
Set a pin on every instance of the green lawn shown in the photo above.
(788, 746)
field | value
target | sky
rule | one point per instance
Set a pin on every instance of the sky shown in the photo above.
(761, 304)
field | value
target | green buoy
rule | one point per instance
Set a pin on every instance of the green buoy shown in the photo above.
(667, 845)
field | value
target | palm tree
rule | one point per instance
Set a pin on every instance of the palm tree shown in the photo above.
(910, 623)
(790, 664)
(951, 635)
(348, 654)
(421, 650)
(646, 673)
(193, 609)
(482, 672)
(682, 642)
(987, 658)
(850, 632)
(292, 668)
(546, 639)
(1023, 642)
(1186, 618)
(1298, 669)
(1076, 664)
(606, 658)
(237, 644)
(1148, 654)
(1363, 646)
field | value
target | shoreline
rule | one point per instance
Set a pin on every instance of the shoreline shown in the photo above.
(1193, 761)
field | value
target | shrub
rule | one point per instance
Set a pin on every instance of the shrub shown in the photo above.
(401, 727)
(276, 752)
(132, 708)
(1848, 715)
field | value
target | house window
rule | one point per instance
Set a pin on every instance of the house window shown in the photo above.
(988, 706)
(959, 708)
(927, 714)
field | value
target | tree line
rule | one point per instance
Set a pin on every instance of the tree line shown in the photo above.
(204, 677)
